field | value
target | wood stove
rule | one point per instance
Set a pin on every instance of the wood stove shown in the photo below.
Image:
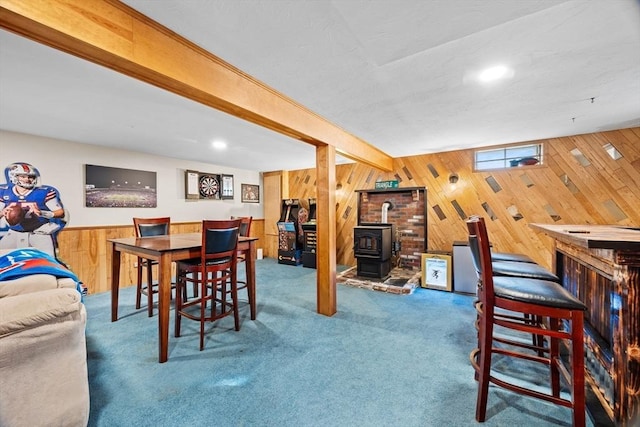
(372, 245)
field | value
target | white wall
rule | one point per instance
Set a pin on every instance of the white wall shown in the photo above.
(61, 165)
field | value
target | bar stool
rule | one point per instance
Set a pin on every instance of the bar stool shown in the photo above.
(147, 227)
(213, 271)
(517, 265)
(511, 303)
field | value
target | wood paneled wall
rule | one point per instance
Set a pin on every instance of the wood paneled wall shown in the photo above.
(86, 251)
(561, 191)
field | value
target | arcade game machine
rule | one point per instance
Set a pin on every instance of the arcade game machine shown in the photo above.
(289, 240)
(309, 234)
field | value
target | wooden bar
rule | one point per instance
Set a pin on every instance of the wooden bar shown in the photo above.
(600, 264)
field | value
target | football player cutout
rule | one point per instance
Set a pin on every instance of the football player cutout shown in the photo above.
(41, 217)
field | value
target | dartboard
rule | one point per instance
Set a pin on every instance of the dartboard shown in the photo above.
(209, 187)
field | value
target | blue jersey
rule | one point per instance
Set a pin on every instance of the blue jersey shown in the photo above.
(45, 198)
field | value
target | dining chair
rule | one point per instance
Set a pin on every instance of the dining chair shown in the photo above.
(215, 273)
(510, 306)
(147, 227)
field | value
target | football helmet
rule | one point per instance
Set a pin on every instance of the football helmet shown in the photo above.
(15, 170)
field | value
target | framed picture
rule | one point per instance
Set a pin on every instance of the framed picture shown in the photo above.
(250, 193)
(191, 185)
(436, 272)
(107, 187)
(227, 186)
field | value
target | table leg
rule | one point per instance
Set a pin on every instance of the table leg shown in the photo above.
(115, 281)
(164, 298)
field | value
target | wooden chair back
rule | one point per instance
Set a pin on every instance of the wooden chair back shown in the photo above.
(219, 240)
(245, 225)
(147, 227)
(481, 257)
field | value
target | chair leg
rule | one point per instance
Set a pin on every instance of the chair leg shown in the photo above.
(139, 284)
(554, 357)
(195, 287)
(203, 310)
(183, 288)
(252, 302)
(485, 342)
(577, 368)
(539, 339)
(223, 295)
(150, 288)
(234, 301)
(180, 292)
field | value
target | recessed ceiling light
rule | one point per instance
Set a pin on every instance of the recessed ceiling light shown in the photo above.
(219, 145)
(495, 73)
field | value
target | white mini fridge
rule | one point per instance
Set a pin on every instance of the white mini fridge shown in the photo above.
(465, 278)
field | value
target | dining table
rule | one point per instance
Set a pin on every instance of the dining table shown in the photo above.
(165, 250)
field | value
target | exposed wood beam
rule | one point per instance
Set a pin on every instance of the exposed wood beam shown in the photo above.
(112, 34)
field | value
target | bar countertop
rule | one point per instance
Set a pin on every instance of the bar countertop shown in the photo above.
(594, 236)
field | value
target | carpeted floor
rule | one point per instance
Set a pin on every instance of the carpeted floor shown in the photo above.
(381, 360)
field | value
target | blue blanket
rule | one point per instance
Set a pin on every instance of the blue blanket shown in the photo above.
(23, 262)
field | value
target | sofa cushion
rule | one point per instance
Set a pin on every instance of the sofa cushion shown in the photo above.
(33, 283)
(34, 309)
(43, 360)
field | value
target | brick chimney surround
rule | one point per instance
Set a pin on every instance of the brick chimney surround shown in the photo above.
(408, 215)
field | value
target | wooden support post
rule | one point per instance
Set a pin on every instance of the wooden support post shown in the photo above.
(326, 229)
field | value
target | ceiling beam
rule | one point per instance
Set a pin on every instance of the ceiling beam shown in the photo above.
(112, 34)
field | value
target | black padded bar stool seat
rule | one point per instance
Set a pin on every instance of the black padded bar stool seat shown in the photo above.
(504, 256)
(195, 262)
(522, 269)
(534, 291)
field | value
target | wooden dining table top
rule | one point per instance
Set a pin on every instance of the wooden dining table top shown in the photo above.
(169, 242)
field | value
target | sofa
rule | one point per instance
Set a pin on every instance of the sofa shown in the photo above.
(43, 355)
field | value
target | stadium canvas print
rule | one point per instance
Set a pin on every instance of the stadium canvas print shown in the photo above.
(107, 187)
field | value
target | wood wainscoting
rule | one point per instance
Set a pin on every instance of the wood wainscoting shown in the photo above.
(87, 253)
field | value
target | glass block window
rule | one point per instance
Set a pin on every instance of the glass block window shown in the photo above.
(508, 157)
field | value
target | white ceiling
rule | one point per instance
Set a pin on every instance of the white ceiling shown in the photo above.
(397, 73)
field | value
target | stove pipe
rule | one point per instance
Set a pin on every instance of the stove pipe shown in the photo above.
(385, 207)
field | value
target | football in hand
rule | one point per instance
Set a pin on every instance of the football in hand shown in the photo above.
(14, 214)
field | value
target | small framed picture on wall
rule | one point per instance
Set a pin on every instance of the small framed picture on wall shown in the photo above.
(250, 193)
(227, 186)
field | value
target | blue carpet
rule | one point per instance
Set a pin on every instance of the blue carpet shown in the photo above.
(381, 360)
